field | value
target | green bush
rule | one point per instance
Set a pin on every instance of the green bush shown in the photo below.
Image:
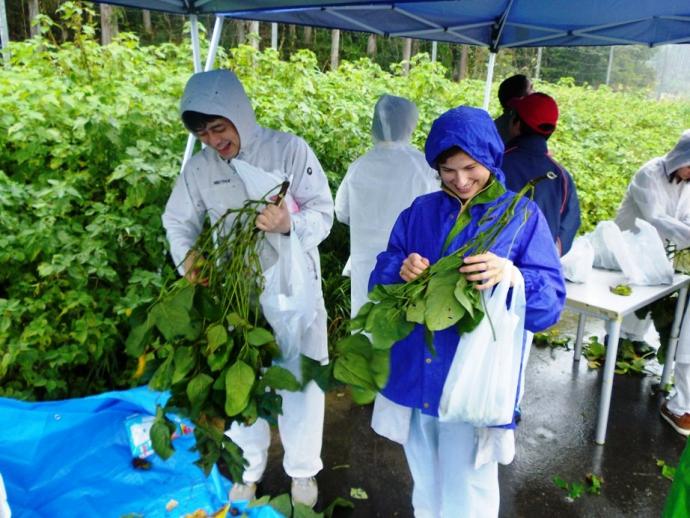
(90, 144)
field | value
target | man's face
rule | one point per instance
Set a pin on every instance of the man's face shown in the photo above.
(683, 173)
(221, 135)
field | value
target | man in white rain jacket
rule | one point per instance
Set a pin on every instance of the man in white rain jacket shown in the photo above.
(216, 109)
(659, 193)
(378, 186)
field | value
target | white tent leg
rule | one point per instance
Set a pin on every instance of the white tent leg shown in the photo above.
(610, 65)
(434, 50)
(196, 48)
(489, 79)
(196, 53)
(537, 71)
(215, 39)
(274, 36)
(4, 33)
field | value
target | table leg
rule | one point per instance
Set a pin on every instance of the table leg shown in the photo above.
(579, 336)
(613, 329)
(673, 340)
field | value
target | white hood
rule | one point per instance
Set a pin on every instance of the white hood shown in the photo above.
(395, 118)
(219, 92)
(679, 156)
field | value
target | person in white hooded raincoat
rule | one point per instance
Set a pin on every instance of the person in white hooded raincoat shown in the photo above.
(378, 186)
(659, 193)
(216, 109)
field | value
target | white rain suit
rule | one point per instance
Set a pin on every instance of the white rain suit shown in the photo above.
(378, 186)
(665, 203)
(208, 185)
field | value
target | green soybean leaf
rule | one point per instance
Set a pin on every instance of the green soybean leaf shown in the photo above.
(219, 358)
(216, 335)
(282, 504)
(162, 377)
(172, 314)
(304, 511)
(462, 292)
(259, 336)
(362, 396)
(322, 375)
(237, 321)
(161, 435)
(358, 343)
(387, 325)
(442, 308)
(280, 378)
(469, 323)
(198, 388)
(381, 292)
(415, 310)
(208, 307)
(360, 319)
(239, 380)
(184, 359)
(380, 367)
(171, 319)
(353, 369)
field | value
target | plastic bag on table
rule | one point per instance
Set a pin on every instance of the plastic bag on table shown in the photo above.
(608, 244)
(483, 381)
(617, 250)
(646, 262)
(577, 263)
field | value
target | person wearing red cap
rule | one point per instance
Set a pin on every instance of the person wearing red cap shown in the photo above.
(535, 117)
(515, 86)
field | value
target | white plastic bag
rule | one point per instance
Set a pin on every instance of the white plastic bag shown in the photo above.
(609, 245)
(639, 254)
(287, 301)
(647, 263)
(482, 384)
(577, 263)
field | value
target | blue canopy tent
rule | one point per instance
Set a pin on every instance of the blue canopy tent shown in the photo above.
(494, 24)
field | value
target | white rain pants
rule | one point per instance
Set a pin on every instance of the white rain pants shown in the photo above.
(446, 484)
(300, 425)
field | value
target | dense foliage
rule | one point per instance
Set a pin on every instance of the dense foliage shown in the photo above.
(90, 143)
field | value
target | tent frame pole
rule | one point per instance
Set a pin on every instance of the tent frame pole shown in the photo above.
(4, 33)
(210, 60)
(489, 80)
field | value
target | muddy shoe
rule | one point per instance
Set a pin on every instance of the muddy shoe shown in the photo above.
(240, 492)
(304, 491)
(680, 423)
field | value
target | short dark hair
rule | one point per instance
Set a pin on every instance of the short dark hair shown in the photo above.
(196, 121)
(514, 86)
(445, 155)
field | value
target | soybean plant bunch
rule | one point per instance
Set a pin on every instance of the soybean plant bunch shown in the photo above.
(208, 344)
(439, 298)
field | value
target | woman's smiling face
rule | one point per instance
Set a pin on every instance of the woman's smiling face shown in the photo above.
(463, 175)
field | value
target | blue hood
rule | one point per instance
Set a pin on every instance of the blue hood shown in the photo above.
(473, 131)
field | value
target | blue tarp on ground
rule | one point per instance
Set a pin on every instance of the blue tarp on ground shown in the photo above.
(73, 458)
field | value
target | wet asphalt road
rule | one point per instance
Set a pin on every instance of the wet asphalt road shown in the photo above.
(554, 438)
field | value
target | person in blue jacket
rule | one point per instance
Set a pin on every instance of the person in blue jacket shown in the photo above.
(465, 148)
(527, 156)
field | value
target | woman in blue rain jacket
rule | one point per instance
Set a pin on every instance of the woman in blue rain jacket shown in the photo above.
(464, 146)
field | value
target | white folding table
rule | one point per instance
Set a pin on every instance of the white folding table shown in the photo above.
(595, 299)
